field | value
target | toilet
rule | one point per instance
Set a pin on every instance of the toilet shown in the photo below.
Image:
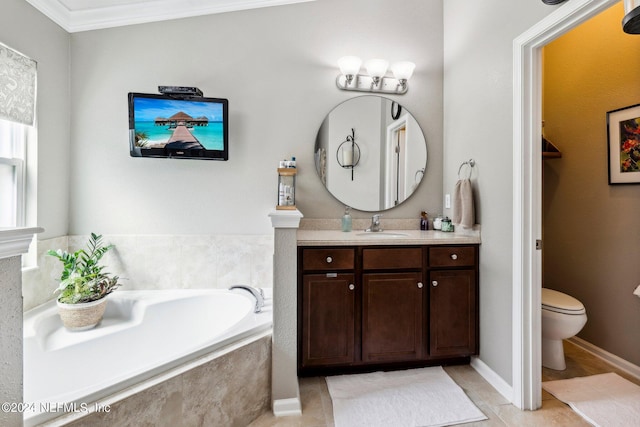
(563, 316)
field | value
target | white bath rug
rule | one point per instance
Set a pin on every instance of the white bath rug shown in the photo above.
(605, 400)
(412, 398)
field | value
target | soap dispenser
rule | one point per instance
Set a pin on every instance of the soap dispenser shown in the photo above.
(346, 219)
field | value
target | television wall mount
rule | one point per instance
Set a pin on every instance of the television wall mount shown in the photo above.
(180, 91)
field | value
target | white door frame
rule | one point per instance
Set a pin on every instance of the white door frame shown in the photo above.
(527, 192)
(389, 190)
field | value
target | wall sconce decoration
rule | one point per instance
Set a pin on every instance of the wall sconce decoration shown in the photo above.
(376, 79)
(348, 153)
(631, 20)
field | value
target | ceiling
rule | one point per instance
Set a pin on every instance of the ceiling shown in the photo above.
(83, 15)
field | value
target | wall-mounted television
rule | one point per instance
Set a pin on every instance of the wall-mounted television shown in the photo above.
(163, 125)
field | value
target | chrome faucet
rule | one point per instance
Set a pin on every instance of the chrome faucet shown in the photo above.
(375, 224)
(257, 293)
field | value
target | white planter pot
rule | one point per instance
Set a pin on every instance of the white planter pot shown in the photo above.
(82, 316)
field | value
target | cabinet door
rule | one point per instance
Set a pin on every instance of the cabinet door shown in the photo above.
(392, 317)
(327, 319)
(453, 313)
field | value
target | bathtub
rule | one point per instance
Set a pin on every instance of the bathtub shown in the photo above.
(143, 334)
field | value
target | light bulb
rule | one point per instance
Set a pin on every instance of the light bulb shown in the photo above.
(376, 68)
(403, 70)
(349, 67)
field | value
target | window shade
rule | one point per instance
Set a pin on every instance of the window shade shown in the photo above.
(17, 86)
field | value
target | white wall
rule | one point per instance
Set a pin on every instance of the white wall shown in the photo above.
(25, 29)
(478, 116)
(277, 66)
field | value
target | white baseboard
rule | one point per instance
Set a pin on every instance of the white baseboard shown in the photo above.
(612, 359)
(287, 407)
(492, 378)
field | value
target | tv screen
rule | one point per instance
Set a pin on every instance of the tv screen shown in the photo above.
(169, 126)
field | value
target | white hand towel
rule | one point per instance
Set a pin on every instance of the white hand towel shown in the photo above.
(463, 210)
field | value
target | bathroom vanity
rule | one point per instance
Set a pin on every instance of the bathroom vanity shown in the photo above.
(395, 299)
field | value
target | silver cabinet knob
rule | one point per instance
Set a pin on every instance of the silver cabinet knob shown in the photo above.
(454, 256)
(420, 285)
(329, 259)
(434, 283)
(351, 286)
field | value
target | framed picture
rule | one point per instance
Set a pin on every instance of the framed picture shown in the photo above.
(623, 140)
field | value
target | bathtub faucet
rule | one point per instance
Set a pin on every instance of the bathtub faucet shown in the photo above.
(257, 293)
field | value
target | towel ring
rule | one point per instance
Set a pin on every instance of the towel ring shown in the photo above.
(471, 163)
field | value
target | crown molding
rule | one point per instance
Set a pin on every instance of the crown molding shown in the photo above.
(139, 13)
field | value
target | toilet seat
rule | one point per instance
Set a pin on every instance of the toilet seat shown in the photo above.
(561, 303)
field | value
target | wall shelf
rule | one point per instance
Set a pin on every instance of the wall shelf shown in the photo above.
(549, 150)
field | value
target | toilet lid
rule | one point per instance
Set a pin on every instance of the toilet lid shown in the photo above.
(560, 303)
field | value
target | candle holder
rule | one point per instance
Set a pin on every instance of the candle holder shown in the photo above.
(348, 153)
(286, 189)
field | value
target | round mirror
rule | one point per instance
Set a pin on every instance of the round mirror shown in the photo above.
(370, 153)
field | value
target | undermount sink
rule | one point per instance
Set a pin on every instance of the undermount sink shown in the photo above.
(382, 234)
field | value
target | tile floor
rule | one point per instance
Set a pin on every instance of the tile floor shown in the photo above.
(317, 410)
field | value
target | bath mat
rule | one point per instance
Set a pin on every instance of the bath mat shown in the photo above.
(412, 398)
(606, 400)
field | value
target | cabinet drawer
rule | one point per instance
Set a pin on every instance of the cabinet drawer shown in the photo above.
(391, 258)
(328, 259)
(452, 256)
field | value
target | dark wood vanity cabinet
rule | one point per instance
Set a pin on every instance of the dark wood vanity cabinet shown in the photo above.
(453, 301)
(326, 318)
(367, 307)
(392, 317)
(328, 323)
(392, 304)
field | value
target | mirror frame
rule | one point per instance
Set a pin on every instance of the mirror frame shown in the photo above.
(356, 145)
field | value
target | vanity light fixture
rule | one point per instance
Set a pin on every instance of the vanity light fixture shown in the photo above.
(375, 80)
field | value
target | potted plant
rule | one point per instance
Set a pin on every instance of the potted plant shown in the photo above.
(84, 285)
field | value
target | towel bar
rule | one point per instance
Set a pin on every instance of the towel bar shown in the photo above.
(471, 163)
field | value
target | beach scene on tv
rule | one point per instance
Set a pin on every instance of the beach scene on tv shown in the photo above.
(174, 127)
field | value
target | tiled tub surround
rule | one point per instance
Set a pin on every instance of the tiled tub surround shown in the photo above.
(228, 389)
(211, 390)
(162, 262)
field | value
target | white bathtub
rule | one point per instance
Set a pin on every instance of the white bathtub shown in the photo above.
(142, 334)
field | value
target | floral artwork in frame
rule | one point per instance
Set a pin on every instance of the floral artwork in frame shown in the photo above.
(623, 132)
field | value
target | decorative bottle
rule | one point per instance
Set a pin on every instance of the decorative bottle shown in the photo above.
(346, 219)
(424, 221)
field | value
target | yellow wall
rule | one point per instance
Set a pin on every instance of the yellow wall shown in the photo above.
(592, 229)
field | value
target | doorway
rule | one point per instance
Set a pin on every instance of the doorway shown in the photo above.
(527, 193)
(396, 159)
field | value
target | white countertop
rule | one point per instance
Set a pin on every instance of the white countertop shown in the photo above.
(387, 237)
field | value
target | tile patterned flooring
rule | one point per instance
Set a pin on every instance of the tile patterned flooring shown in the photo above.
(317, 410)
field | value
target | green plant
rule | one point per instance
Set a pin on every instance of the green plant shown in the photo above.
(141, 138)
(83, 279)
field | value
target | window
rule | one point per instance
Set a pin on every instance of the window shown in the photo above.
(17, 181)
(13, 142)
(18, 167)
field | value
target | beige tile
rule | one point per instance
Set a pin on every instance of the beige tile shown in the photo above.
(469, 379)
(497, 409)
(553, 413)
